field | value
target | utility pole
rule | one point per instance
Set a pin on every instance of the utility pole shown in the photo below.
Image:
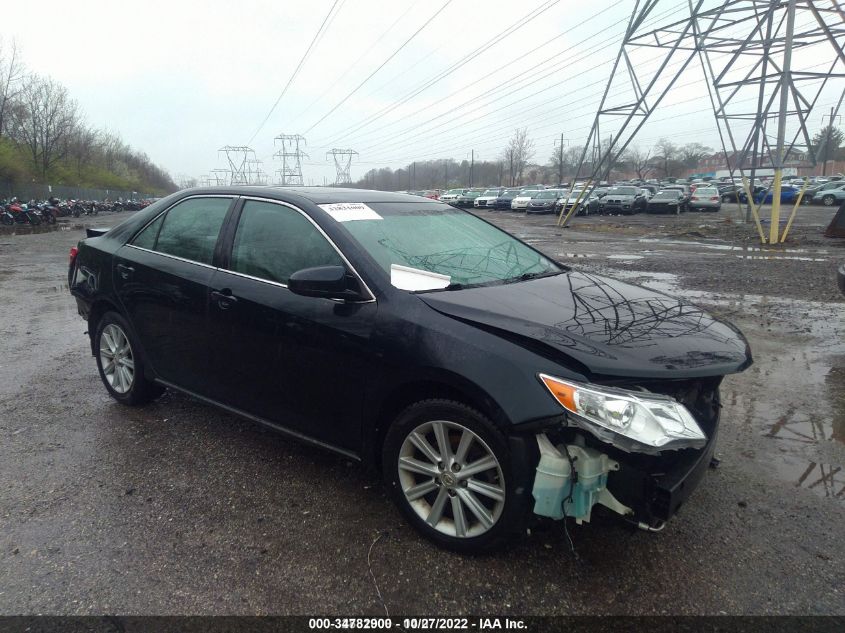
(446, 174)
(471, 165)
(291, 155)
(409, 176)
(722, 37)
(342, 162)
(827, 142)
(560, 159)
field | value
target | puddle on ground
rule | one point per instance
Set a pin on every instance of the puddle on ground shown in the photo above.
(794, 393)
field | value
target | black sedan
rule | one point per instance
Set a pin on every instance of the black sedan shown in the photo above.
(667, 201)
(487, 382)
(503, 202)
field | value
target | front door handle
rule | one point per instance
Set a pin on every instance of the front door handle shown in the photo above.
(125, 271)
(224, 298)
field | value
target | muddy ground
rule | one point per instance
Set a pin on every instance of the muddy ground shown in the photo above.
(180, 508)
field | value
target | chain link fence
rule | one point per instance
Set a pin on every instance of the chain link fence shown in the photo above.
(42, 192)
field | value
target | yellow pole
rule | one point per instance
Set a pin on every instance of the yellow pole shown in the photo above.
(774, 229)
(754, 210)
(795, 209)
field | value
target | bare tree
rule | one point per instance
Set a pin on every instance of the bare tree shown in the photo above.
(667, 152)
(692, 154)
(44, 122)
(519, 151)
(12, 74)
(640, 161)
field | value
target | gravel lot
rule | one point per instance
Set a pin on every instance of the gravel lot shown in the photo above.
(179, 508)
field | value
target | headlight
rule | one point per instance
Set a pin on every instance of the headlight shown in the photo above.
(653, 421)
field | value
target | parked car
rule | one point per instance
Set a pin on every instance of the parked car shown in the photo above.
(626, 200)
(830, 197)
(467, 198)
(588, 203)
(543, 201)
(451, 195)
(811, 191)
(840, 277)
(685, 193)
(485, 381)
(487, 199)
(705, 199)
(667, 201)
(505, 198)
(765, 195)
(524, 197)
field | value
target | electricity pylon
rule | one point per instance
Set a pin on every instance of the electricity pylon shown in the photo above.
(238, 157)
(342, 162)
(291, 154)
(778, 55)
(220, 177)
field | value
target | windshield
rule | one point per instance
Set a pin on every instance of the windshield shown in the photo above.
(510, 192)
(443, 240)
(545, 195)
(491, 192)
(455, 191)
(671, 194)
(624, 191)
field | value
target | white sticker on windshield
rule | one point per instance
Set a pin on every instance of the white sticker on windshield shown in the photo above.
(349, 211)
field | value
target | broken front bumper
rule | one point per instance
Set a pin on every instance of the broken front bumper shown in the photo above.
(645, 489)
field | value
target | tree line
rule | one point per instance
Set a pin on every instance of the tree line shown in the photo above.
(44, 138)
(514, 166)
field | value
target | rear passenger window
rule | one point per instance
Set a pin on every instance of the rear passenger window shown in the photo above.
(147, 237)
(188, 230)
(273, 242)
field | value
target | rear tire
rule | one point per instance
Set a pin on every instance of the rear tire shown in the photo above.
(828, 201)
(451, 498)
(121, 364)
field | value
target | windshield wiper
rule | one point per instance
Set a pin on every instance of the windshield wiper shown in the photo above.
(527, 276)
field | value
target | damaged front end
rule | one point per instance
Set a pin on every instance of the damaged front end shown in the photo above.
(640, 452)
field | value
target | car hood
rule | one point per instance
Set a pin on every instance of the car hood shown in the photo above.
(605, 326)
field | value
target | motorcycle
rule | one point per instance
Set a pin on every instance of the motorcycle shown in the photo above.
(15, 213)
(48, 213)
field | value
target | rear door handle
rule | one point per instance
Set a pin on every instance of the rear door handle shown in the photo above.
(125, 271)
(224, 298)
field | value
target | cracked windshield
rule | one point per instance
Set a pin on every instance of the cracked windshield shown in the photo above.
(447, 242)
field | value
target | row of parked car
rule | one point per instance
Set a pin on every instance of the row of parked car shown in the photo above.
(634, 197)
(623, 198)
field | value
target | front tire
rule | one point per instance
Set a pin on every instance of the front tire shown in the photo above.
(120, 363)
(451, 473)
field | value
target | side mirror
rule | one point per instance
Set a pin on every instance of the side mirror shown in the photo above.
(328, 282)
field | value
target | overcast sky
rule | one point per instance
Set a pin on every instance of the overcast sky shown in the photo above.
(179, 80)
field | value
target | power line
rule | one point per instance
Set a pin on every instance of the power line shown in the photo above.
(356, 62)
(525, 76)
(296, 70)
(528, 76)
(382, 65)
(460, 63)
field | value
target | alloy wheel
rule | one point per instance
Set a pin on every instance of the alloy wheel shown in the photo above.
(116, 358)
(452, 479)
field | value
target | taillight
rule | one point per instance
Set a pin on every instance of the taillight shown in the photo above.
(74, 251)
(694, 198)
(714, 197)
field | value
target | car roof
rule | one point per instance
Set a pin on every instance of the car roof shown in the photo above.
(316, 195)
